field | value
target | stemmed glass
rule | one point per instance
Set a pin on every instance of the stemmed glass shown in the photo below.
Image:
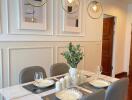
(38, 76)
(99, 71)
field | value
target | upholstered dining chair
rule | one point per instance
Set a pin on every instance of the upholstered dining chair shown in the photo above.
(58, 69)
(117, 90)
(99, 95)
(27, 74)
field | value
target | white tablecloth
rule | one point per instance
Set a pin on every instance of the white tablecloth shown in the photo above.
(19, 93)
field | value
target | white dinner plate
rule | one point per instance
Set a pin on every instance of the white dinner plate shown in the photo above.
(99, 83)
(43, 83)
(69, 94)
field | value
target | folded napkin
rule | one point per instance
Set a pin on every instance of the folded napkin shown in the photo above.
(14, 92)
(29, 97)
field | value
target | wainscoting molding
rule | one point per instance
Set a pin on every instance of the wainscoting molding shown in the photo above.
(14, 19)
(1, 68)
(3, 17)
(18, 55)
(1, 71)
(59, 22)
(58, 54)
(47, 52)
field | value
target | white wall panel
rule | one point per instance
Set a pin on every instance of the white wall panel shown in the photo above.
(10, 19)
(19, 55)
(92, 57)
(13, 8)
(1, 75)
(32, 48)
(1, 66)
(20, 58)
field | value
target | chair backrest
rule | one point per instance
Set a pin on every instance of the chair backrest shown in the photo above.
(27, 74)
(58, 69)
(99, 95)
(117, 90)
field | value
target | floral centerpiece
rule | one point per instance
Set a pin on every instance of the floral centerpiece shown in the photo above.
(73, 56)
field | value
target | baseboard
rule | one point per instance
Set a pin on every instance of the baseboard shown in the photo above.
(121, 75)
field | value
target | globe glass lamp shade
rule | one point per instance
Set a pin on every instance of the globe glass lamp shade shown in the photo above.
(70, 6)
(94, 9)
(37, 3)
(70, 1)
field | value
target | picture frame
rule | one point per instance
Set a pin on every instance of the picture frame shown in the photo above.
(32, 18)
(72, 21)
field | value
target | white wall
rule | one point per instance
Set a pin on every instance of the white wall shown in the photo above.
(119, 10)
(128, 38)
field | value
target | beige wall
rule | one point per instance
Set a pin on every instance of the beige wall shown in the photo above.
(119, 10)
(128, 38)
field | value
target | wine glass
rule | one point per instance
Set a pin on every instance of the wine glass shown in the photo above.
(99, 71)
(38, 76)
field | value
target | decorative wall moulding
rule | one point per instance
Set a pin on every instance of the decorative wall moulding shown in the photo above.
(43, 52)
(0, 18)
(1, 69)
(31, 17)
(71, 21)
(0, 24)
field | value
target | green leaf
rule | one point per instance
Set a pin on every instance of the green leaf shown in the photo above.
(73, 55)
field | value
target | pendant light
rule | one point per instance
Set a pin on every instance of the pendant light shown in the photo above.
(37, 3)
(95, 9)
(70, 6)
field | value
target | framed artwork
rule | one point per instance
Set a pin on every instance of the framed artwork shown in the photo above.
(31, 17)
(71, 17)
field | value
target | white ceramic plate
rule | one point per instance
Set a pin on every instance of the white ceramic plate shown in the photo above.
(69, 94)
(43, 83)
(99, 83)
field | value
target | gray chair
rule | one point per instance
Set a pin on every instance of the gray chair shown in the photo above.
(58, 69)
(117, 90)
(27, 74)
(99, 95)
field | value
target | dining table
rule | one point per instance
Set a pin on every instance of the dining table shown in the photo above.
(27, 91)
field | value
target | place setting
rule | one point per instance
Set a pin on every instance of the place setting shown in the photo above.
(40, 84)
(67, 87)
(97, 81)
(73, 93)
(71, 86)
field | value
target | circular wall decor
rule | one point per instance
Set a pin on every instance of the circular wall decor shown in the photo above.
(70, 6)
(37, 3)
(95, 9)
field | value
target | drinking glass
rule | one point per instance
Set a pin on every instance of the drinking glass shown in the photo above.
(38, 76)
(99, 71)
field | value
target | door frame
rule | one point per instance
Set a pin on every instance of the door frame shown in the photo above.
(114, 44)
(130, 51)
